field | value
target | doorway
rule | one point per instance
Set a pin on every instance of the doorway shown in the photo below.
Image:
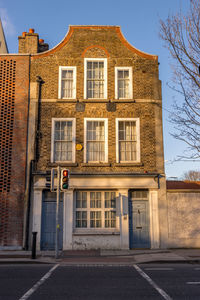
(48, 230)
(139, 231)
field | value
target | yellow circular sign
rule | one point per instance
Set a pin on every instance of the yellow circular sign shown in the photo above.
(79, 147)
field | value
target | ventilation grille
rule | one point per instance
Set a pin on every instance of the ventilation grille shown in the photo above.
(7, 102)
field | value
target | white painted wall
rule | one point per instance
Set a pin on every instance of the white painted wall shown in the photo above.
(184, 219)
(68, 220)
(154, 221)
(113, 239)
(37, 211)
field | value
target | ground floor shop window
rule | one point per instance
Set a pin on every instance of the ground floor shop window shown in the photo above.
(95, 209)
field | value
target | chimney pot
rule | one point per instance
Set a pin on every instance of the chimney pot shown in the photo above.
(24, 33)
(41, 41)
(31, 30)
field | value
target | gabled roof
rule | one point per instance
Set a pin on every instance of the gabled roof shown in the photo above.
(3, 44)
(183, 185)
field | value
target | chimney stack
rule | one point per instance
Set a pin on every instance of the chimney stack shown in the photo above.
(29, 43)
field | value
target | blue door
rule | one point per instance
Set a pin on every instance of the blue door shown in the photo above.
(48, 230)
(139, 224)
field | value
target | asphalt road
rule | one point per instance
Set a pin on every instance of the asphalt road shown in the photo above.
(150, 281)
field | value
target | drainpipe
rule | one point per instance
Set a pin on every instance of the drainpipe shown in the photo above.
(38, 134)
(29, 205)
(33, 161)
(159, 176)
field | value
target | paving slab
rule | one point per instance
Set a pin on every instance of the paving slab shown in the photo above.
(104, 257)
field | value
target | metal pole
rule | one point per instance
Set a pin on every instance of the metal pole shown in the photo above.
(33, 256)
(57, 212)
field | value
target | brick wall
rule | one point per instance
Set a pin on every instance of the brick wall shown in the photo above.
(99, 42)
(14, 82)
(124, 110)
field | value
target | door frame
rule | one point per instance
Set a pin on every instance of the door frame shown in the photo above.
(130, 200)
(42, 214)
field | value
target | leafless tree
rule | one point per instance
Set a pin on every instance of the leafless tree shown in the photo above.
(181, 35)
(192, 175)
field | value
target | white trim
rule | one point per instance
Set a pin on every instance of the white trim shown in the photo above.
(85, 76)
(67, 220)
(137, 120)
(37, 215)
(130, 82)
(61, 68)
(105, 120)
(154, 221)
(102, 209)
(73, 138)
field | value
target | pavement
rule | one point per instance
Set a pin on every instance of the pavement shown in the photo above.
(102, 257)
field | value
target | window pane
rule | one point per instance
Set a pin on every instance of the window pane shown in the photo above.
(95, 199)
(81, 219)
(95, 133)
(95, 219)
(120, 74)
(123, 82)
(95, 79)
(63, 141)
(126, 74)
(110, 219)
(81, 200)
(139, 194)
(127, 141)
(67, 84)
(110, 199)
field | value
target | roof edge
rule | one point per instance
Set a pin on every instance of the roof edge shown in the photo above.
(132, 48)
(116, 28)
(55, 48)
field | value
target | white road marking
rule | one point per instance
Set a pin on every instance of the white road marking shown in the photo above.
(159, 269)
(36, 286)
(158, 289)
(193, 282)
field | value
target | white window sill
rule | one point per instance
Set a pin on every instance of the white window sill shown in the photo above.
(63, 164)
(96, 232)
(63, 100)
(128, 164)
(95, 164)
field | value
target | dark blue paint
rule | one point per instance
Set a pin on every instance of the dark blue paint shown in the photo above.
(48, 230)
(139, 224)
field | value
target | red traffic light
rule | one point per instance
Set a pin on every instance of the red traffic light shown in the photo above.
(65, 173)
(64, 179)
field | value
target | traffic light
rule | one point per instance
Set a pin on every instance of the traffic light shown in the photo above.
(64, 179)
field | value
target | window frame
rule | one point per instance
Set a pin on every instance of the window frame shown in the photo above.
(85, 77)
(73, 140)
(61, 68)
(102, 209)
(137, 121)
(105, 120)
(130, 82)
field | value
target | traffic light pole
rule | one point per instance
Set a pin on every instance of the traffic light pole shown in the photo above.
(57, 213)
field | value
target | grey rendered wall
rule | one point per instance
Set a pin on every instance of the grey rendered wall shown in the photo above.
(184, 219)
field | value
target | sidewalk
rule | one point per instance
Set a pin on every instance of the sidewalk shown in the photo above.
(103, 257)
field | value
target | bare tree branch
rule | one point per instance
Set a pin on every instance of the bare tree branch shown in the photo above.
(181, 35)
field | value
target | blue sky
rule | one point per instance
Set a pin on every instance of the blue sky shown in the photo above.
(139, 21)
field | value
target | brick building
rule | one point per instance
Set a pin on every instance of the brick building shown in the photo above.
(14, 85)
(95, 107)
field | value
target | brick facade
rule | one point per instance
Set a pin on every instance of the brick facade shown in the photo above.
(144, 111)
(14, 81)
(145, 105)
(99, 42)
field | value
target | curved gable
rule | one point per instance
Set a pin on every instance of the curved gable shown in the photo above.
(119, 35)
